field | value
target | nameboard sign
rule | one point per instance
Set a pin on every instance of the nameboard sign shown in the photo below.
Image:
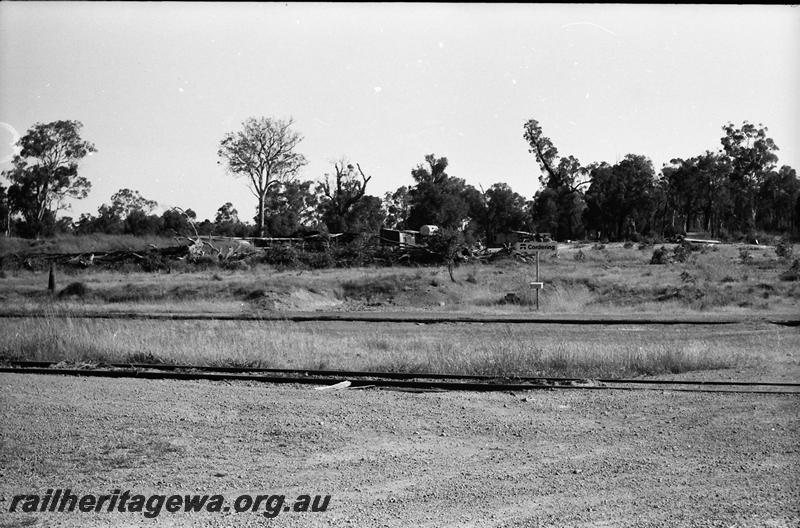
(529, 248)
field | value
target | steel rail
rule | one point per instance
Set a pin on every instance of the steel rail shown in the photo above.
(403, 317)
(418, 382)
(397, 375)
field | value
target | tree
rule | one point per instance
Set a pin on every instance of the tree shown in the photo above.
(263, 152)
(226, 213)
(177, 221)
(5, 212)
(558, 206)
(341, 195)
(129, 212)
(440, 199)
(556, 172)
(448, 244)
(504, 211)
(292, 208)
(620, 201)
(45, 172)
(126, 201)
(367, 216)
(697, 190)
(397, 208)
(139, 223)
(776, 200)
(752, 156)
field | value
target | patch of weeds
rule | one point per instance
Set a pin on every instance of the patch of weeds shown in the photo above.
(744, 256)
(129, 293)
(598, 246)
(784, 249)
(511, 298)
(154, 261)
(680, 253)
(660, 256)
(628, 244)
(580, 256)
(235, 265)
(793, 273)
(378, 343)
(75, 289)
(143, 357)
(728, 278)
(687, 277)
(255, 295)
(373, 287)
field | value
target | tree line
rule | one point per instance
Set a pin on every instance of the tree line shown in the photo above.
(731, 193)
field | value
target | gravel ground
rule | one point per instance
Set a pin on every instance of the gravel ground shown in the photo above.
(541, 458)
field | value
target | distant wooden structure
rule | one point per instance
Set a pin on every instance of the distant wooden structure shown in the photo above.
(402, 238)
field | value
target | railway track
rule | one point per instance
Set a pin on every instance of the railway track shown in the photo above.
(413, 317)
(387, 380)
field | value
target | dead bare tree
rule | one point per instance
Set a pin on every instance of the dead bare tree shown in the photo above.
(342, 193)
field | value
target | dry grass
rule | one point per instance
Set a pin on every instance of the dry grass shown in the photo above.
(611, 280)
(501, 350)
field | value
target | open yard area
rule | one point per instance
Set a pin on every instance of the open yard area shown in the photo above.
(400, 459)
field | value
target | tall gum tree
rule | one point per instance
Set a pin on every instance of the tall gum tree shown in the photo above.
(559, 204)
(752, 156)
(263, 152)
(45, 172)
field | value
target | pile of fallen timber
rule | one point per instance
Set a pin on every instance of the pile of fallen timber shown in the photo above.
(41, 261)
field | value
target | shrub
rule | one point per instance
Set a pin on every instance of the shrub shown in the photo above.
(285, 256)
(369, 288)
(784, 249)
(319, 259)
(234, 265)
(153, 261)
(680, 253)
(745, 256)
(793, 273)
(660, 256)
(75, 289)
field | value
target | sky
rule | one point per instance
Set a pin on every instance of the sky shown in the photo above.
(158, 85)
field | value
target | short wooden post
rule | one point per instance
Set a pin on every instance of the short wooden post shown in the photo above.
(51, 280)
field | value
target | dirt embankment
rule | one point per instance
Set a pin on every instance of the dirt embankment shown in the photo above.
(399, 459)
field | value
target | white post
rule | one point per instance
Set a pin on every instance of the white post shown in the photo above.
(537, 280)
